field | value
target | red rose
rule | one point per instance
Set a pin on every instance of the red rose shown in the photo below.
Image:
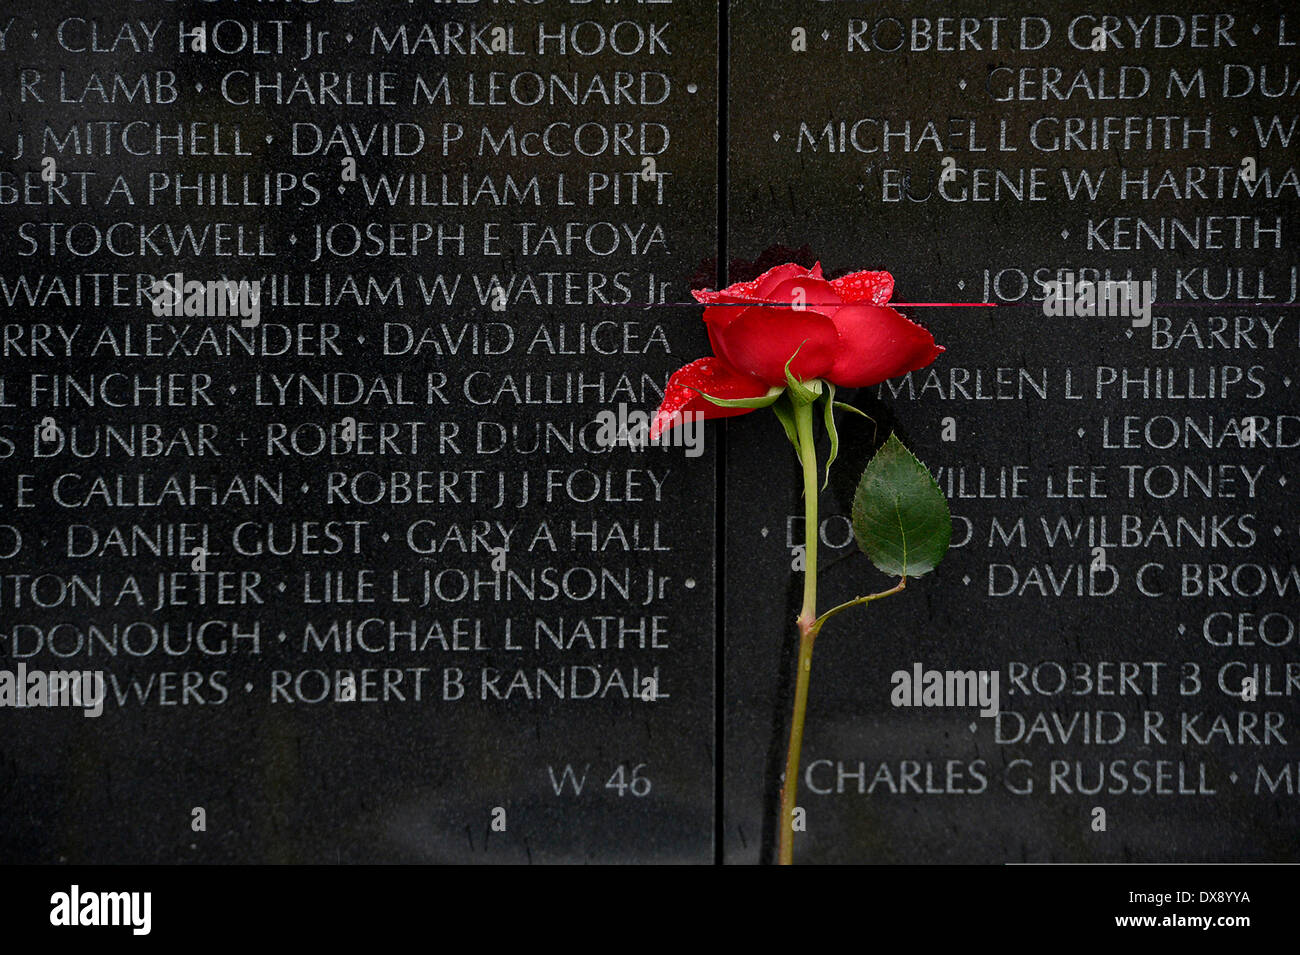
(844, 333)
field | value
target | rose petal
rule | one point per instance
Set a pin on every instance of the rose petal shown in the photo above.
(865, 288)
(769, 280)
(876, 343)
(711, 376)
(762, 340)
(741, 290)
(818, 294)
(717, 317)
(755, 289)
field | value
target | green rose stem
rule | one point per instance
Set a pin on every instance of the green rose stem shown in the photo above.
(807, 615)
(809, 623)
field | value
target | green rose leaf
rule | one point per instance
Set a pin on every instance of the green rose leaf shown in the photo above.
(828, 413)
(801, 391)
(900, 517)
(785, 414)
(760, 402)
